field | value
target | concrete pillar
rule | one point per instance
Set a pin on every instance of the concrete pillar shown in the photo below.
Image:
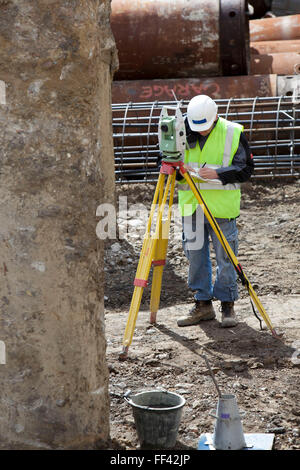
(56, 61)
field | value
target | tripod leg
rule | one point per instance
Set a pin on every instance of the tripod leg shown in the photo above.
(145, 262)
(156, 283)
(229, 252)
(140, 283)
(160, 258)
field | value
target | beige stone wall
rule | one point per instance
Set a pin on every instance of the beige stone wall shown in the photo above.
(56, 60)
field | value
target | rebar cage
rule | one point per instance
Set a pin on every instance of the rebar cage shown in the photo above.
(271, 124)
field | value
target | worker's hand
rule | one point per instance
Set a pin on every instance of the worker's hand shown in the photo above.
(188, 167)
(208, 173)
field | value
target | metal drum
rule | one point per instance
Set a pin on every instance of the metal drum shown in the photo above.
(180, 38)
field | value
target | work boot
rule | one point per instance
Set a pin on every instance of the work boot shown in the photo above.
(202, 310)
(228, 315)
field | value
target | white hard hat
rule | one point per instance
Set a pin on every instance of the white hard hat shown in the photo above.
(201, 113)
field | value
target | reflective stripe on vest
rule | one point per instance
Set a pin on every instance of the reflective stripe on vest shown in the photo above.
(229, 186)
(228, 144)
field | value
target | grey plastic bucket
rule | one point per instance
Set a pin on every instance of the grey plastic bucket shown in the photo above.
(157, 416)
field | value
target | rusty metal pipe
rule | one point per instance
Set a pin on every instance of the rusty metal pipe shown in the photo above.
(275, 29)
(184, 89)
(280, 63)
(271, 47)
(137, 135)
(128, 160)
(294, 174)
(252, 103)
(236, 103)
(180, 38)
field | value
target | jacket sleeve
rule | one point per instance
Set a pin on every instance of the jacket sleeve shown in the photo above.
(242, 166)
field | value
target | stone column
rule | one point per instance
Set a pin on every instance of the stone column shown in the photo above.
(56, 62)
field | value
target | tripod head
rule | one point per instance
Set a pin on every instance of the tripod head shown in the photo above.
(171, 134)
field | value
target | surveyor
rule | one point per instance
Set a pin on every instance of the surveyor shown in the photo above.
(219, 159)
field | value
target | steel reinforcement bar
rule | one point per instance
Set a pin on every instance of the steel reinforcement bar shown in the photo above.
(271, 124)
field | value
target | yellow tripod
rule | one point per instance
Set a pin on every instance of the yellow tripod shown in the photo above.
(154, 251)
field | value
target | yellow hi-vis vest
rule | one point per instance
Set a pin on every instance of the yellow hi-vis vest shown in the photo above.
(223, 201)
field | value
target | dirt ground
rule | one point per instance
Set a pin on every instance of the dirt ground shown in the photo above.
(260, 370)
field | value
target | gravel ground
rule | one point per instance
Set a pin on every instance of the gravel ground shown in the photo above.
(260, 370)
